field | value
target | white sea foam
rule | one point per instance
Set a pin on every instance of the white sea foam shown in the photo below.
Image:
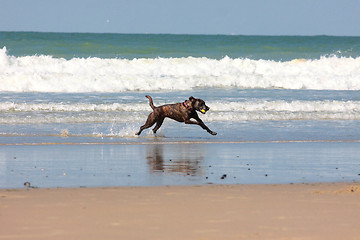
(23, 113)
(77, 107)
(245, 106)
(48, 74)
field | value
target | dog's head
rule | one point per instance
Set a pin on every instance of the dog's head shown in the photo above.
(199, 105)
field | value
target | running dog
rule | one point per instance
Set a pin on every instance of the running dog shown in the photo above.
(181, 112)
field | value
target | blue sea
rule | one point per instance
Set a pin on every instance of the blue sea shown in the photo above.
(83, 88)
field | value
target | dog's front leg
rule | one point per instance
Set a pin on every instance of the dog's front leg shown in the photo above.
(201, 124)
(191, 122)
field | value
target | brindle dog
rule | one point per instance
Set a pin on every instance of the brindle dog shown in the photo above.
(181, 112)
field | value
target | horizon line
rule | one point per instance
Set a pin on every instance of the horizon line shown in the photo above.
(189, 34)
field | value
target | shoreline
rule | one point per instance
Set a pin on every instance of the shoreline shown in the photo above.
(245, 211)
(340, 183)
(178, 142)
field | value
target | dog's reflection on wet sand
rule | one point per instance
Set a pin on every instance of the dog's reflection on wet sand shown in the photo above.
(183, 158)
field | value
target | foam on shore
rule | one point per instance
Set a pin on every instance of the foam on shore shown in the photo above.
(11, 112)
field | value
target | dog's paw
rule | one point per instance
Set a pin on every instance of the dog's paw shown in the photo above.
(212, 133)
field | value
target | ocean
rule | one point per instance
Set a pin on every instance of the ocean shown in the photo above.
(83, 88)
(94, 85)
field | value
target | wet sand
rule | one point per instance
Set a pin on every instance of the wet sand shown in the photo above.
(160, 163)
(283, 211)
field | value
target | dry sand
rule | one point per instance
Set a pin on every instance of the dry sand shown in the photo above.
(293, 211)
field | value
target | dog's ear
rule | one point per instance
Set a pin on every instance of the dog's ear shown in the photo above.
(191, 98)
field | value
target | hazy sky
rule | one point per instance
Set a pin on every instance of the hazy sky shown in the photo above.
(248, 17)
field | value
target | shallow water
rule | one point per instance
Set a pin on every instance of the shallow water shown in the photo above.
(236, 114)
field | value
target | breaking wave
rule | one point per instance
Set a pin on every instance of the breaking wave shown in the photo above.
(48, 74)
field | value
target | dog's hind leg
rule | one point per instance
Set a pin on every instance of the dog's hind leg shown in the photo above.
(158, 124)
(149, 122)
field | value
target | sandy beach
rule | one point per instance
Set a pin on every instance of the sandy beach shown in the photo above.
(285, 104)
(170, 190)
(283, 211)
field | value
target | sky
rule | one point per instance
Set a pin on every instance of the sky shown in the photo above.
(238, 17)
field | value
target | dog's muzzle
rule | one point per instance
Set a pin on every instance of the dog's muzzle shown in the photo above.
(204, 109)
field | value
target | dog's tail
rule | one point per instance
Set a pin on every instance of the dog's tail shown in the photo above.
(150, 101)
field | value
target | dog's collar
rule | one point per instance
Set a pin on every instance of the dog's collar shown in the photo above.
(187, 107)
